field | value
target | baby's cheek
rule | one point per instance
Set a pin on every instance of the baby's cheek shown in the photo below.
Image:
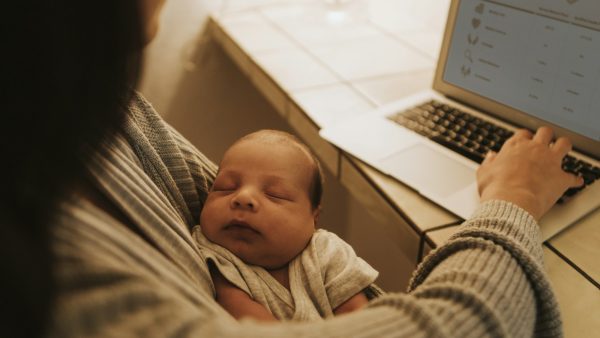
(208, 216)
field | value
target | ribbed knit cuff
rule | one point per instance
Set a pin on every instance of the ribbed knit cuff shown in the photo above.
(516, 231)
(510, 220)
(501, 209)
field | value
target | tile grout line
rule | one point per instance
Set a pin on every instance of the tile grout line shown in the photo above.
(304, 48)
(572, 264)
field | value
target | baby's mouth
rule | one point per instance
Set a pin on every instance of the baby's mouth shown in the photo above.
(242, 226)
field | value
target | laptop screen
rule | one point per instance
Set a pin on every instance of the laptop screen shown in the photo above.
(540, 57)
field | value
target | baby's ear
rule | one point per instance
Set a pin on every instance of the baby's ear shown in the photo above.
(316, 213)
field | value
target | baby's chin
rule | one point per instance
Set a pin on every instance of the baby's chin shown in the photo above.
(251, 257)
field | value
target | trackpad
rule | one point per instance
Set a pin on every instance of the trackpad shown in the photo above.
(429, 171)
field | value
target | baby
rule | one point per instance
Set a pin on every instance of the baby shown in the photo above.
(257, 234)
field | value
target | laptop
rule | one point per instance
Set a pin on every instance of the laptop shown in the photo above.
(503, 65)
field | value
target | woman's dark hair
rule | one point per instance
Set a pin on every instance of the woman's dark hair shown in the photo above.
(68, 69)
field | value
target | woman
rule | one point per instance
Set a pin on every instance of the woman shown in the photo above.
(101, 194)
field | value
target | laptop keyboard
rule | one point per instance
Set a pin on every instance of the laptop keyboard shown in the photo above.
(473, 137)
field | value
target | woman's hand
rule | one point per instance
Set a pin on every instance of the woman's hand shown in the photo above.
(527, 172)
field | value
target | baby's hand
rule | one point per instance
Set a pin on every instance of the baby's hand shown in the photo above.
(222, 286)
(237, 302)
(356, 302)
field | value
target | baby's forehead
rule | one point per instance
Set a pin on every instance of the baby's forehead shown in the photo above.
(268, 139)
(265, 145)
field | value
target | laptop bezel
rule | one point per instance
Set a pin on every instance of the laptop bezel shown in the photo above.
(498, 110)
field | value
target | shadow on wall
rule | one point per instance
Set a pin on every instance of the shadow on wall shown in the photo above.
(164, 59)
(214, 103)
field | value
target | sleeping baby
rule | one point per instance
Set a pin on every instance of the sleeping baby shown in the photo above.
(257, 234)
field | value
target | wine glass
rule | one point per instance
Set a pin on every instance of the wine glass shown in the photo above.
(342, 11)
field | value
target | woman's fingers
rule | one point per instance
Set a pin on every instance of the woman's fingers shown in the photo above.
(573, 180)
(543, 135)
(562, 146)
(522, 134)
(527, 171)
(489, 157)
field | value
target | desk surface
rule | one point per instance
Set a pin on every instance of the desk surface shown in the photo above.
(317, 65)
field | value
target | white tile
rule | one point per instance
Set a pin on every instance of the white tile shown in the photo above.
(294, 69)
(391, 88)
(231, 6)
(428, 42)
(254, 33)
(403, 16)
(371, 57)
(319, 23)
(395, 16)
(433, 12)
(330, 104)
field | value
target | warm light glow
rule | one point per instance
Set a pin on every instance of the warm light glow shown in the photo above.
(337, 16)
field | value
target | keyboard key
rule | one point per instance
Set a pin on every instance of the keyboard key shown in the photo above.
(428, 107)
(572, 191)
(592, 172)
(469, 153)
(588, 178)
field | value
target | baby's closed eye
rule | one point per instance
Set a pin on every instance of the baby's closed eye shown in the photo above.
(224, 184)
(278, 193)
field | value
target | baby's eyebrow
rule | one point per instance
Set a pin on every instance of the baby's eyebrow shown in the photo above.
(227, 172)
(224, 175)
(274, 179)
(278, 181)
(281, 183)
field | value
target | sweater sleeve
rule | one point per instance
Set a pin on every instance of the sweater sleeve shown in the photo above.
(182, 173)
(486, 281)
(202, 169)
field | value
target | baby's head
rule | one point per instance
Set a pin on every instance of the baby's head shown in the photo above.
(265, 201)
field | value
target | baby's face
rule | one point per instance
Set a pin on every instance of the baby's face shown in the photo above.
(259, 206)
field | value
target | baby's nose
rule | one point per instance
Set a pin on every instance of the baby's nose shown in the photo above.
(244, 200)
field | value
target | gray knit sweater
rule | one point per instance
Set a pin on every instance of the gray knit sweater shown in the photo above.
(151, 281)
